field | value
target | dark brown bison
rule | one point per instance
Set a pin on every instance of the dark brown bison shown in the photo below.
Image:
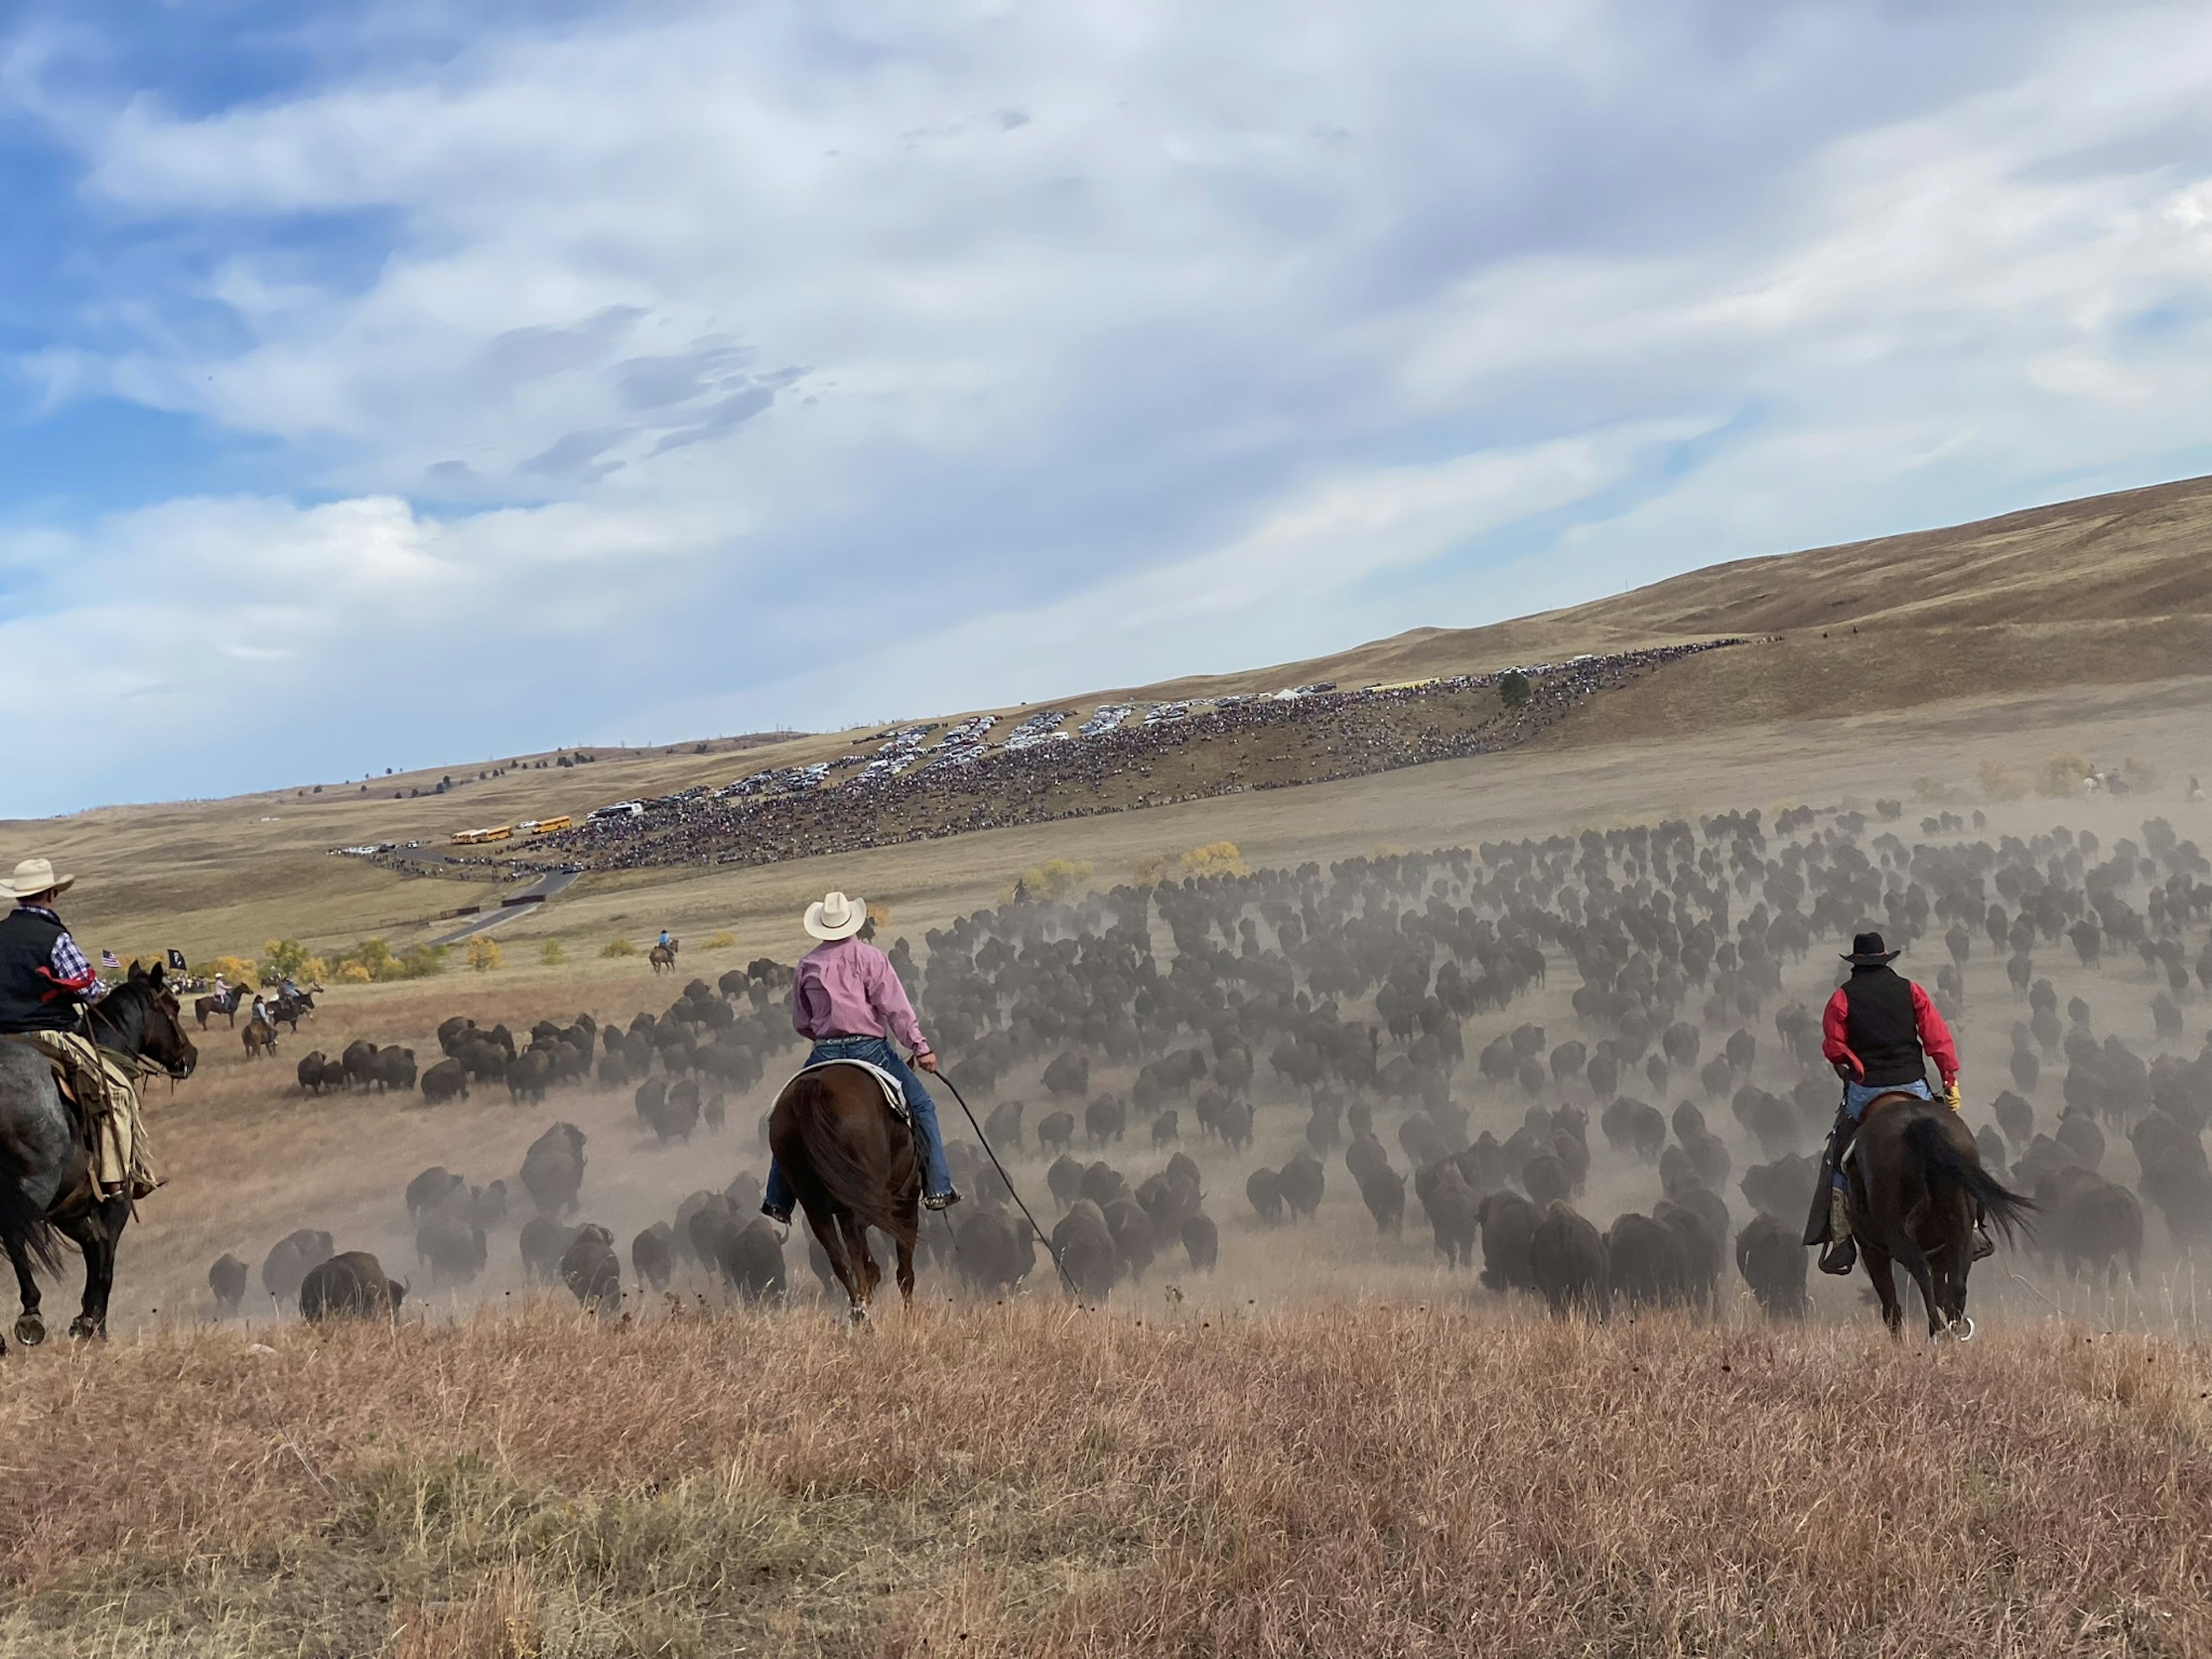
(1644, 1263)
(445, 1081)
(1303, 1181)
(1567, 1257)
(751, 1259)
(227, 1280)
(553, 1169)
(1055, 1132)
(541, 1242)
(1263, 1190)
(591, 1270)
(431, 1190)
(1202, 1242)
(392, 1069)
(652, 1255)
(1508, 1222)
(994, 1249)
(1083, 1244)
(455, 1253)
(1773, 1262)
(349, 1285)
(289, 1261)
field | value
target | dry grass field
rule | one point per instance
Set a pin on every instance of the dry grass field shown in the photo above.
(1034, 1481)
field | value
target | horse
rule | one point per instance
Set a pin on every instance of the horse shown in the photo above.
(1913, 1181)
(288, 1009)
(663, 958)
(853, 1164)
(259, 1040)
(226, 1005)
(46, 1177)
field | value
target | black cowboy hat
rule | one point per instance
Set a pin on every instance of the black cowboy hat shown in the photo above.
(1868, 951)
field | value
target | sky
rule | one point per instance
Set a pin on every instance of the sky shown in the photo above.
(416, 383)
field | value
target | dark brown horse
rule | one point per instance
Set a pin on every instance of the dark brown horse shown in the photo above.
(226, 1004)
(1914, 1185)
(46, 1177)
(852, 1165)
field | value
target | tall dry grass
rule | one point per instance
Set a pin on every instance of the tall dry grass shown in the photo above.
(1031, 1480)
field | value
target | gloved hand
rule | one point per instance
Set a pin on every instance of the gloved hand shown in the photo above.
(1951, 1094)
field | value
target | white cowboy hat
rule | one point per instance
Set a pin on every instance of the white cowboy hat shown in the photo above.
(33, 877)
(836, 917)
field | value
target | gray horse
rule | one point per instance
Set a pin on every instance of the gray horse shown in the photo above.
(45, 1178)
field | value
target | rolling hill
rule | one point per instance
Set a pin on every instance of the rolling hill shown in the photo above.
(2113, 591)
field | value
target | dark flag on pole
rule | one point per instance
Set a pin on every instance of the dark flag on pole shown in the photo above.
(176, 961)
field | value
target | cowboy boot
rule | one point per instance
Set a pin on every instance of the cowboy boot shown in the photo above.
(1985, 1246)
(1842, 1254)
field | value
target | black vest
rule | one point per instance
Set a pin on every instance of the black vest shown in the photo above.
(26, 945)
(1880, 1027)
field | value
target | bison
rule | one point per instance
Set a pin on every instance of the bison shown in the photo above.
(349, 1285)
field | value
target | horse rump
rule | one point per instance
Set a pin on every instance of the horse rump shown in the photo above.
(810, 1106)
(2007, 1211)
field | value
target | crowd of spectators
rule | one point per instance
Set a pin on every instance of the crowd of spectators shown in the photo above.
(924, 780)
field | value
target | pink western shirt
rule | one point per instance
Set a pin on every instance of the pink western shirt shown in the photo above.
(849, 988)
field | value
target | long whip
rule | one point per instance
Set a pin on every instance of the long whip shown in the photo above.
(1016, 1192)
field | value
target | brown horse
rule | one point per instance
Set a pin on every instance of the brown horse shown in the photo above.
(1914, 1182)
(663, 958)
(852, 1165)
(226, 1004)
(259, 1040)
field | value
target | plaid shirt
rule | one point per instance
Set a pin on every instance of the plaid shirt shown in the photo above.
(66, 965)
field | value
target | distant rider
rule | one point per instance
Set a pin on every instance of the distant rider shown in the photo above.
(45, 982)
(1879, 1031)
(664, 940)
(847, 997)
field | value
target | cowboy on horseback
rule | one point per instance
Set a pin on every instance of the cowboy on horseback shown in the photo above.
(1879, 1031)
(44, 983)
(846, 998)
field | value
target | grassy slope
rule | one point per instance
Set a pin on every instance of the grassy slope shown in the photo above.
(1034, 1481)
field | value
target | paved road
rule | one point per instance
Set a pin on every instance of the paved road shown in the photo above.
(547, 888)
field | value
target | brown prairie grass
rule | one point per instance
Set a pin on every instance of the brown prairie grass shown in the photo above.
(1029, 1479)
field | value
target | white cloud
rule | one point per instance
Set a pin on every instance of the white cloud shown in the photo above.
(1262, 329)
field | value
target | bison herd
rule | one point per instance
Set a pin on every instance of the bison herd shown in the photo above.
(1364, 1041)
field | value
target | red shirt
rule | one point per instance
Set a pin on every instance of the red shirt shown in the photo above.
(1935, 1035)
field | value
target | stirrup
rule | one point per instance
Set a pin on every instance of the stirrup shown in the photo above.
(782, 1218)
(1985, 1246)
(944, 1200)
(1841, 1255)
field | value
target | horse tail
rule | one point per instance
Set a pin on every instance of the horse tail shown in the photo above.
(1946, 1165)
(25, 1233)
(851, 1185)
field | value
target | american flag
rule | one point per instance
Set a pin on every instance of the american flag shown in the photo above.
(108, 959)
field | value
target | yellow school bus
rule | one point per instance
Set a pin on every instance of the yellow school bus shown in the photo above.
(476, 837)
(547, 826)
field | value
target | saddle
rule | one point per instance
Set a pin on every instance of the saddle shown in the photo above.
(894, 1096)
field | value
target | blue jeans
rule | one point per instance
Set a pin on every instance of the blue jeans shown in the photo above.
(1857, 1096)
(936, 1176)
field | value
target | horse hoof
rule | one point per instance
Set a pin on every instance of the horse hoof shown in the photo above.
(1964, 1329)
(30, 1330)
(83, 1330)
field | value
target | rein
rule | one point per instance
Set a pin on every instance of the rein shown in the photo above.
(1064, 1276)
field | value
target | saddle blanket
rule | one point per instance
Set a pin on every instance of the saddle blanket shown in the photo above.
(894, 1096)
